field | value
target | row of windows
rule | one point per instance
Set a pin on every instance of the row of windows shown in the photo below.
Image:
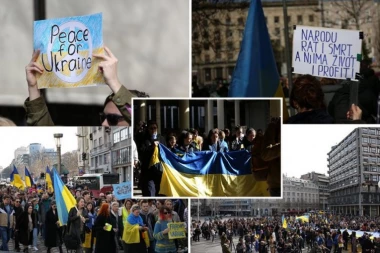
(99, 160)
(370, 131)
(348, 140)
(310, 195)
(122, 135)
(121, 156)
(277, 19)
(371, 140)
(371, 150)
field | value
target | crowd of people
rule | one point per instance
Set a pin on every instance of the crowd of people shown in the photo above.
(218, 140)
(321, 234)
(101, 224)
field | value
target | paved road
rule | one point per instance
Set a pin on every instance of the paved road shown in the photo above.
(204, 246)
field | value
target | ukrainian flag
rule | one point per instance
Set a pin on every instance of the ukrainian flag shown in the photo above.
(207, 174)
(256, 73)
(16, 180)
(63, 197)
(304, 218)
(284, 223)
(28, 178)
(48, 178)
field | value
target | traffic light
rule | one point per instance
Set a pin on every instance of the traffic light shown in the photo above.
(84, 156)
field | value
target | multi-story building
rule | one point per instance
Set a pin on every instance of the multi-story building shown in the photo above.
(100, 150)
(322, 181)
(354, 173)
(20, 151)
(218, 32)
(110, 150)
(300, 194)
(122, 152)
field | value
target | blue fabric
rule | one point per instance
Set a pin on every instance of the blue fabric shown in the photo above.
(5, 236)
(208, 162)
(255, 74)
(133, 220)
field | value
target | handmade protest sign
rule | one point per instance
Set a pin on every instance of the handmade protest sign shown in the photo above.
(66, 48)
(122, 191)
(325, 52)
(177, 230)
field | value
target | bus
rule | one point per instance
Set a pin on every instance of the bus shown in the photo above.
(98, 183)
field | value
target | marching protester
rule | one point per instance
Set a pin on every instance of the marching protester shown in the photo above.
(105, 240)
(25, 226)
(6, 221)
(18, 210)
(161, 230)
(53, 236)
(77, 218)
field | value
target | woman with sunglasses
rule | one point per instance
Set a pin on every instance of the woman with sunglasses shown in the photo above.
(161, 231)
(117, 109)
(53, 234)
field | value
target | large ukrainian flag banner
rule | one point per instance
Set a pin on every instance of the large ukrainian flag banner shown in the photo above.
(66, 48)
(207, 174)
(255, 73)
(63, 197)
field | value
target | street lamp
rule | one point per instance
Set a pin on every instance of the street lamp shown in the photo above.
(57, 138)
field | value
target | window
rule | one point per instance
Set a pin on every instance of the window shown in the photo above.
(207, 72)
(205, 35)
(229, 33)
(289, 19)
(92, 162)
(276, 19)
(311, 18)
(217, 35)
(207, 58)
(123, 134)
(218, 46)
(219, 72)
(365, 140)
(100, 141)
(195, 36)
(218, 57)
(240, 21)
(105, 159)
(116, 137)
(277, 31)
(100, 159)
(299, 19)
(230, 56)
(206, 46)
(230, 46)
(95, 143)
(228, 21)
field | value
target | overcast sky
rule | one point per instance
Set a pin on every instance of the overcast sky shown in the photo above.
(12, 138)
(305, 148)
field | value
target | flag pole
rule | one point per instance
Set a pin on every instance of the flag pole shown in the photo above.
(287, 51)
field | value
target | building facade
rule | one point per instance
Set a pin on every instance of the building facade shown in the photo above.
(355, 172)
(108, 150)
(322, 181)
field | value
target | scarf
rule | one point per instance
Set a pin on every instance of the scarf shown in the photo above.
(133, 220)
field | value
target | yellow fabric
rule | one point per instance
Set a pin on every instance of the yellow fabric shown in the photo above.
(303, 218)
(87, 240)
(154, 160)
(146, 238)
(284, 224)
(124, 214)
(17, 182)
(280, 94)
(131, 233)
(49, 182)
(174, 183)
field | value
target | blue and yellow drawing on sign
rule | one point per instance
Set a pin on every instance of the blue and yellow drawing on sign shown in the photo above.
(66, 47)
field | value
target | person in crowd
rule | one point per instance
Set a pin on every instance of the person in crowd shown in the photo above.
(223, 142)
(149, 221)
(249, 139)
(36, 223)
(77, 218)
(133, 232)
(213, 143)
(172, 143)
(150, 178)
(114, 217)
(237, 141)
(6, 222)
(198, 140)
(18, 210)
(53, 230)
(185, 142)
(105, 241)
(90, 221)
(44, 206)
(25, 226)
(117, 109)
(161, 230)
(308, 99)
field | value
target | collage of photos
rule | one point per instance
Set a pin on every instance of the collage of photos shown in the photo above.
(178, 126)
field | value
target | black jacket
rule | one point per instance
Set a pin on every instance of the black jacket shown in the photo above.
(319, 116)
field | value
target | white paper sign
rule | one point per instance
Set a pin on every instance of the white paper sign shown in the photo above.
(325, 52)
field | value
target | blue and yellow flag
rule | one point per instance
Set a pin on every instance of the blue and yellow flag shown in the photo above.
(48, 179)
(63, 197)
(284, 223)
(256, 73)
(16, 180)
(208, 174)
(304, 218)
(28, 178)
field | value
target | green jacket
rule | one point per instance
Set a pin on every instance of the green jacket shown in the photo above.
(38, 114)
